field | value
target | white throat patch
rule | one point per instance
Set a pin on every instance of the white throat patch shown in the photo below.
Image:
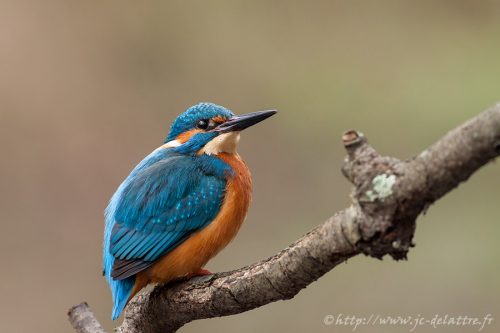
(224, 143)
(171, 144)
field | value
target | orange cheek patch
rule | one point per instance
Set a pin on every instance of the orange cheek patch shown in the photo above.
(219, 119)
(184, 137)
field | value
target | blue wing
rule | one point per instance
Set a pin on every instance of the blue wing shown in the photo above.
(165, 199)
(164, 204)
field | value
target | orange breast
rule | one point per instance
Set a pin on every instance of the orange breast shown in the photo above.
(201, 246)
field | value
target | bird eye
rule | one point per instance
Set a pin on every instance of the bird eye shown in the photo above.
(206, 124)
(202, 124)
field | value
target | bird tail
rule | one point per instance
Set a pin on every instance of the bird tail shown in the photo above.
(121, 290)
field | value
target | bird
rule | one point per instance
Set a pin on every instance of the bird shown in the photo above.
(181, 205)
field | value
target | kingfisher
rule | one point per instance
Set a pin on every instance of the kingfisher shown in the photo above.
(180, 205)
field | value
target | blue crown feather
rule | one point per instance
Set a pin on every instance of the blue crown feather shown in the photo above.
(188, 119)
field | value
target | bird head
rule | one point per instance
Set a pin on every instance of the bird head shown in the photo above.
(210, 129)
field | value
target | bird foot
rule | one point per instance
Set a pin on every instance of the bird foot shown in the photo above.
(203, 271)
(200, 275)
(199, 272)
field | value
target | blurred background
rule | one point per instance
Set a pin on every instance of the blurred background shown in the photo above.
(88, 88)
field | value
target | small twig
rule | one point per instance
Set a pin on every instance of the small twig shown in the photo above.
(83, 320)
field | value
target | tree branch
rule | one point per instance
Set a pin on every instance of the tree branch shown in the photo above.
(387, 197)
(83, 320)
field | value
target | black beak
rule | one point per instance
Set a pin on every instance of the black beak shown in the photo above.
(239, 123)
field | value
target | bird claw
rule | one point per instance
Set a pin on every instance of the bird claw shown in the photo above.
(201, 278)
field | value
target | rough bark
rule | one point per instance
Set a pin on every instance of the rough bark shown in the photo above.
(388, 195)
